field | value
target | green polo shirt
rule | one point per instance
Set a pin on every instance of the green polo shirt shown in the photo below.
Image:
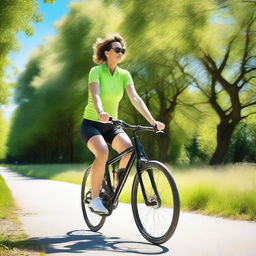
(111, 90)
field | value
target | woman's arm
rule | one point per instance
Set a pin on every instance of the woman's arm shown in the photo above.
(139, 104)
(95, 93)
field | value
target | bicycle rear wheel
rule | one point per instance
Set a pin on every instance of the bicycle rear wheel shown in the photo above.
(158, 219)
(93, 220)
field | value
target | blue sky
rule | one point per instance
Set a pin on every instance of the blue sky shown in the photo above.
(51, 13)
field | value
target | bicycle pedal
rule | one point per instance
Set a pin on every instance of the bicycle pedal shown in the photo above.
(86, 201)
(99, 213)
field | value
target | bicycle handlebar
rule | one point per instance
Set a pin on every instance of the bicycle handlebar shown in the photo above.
(124, 125)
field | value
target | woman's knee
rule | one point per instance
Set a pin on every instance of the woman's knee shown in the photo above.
(98, 147)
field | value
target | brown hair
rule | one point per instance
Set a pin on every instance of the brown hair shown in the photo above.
(104, 44)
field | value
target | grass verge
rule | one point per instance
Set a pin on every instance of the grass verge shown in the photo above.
(228, 191)
(13, 241)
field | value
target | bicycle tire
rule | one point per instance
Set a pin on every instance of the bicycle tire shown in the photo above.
(170, 195)
(93, 220)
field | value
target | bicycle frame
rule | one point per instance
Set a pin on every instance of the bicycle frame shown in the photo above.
(139, 154)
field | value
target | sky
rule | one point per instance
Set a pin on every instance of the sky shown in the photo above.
(51, 14)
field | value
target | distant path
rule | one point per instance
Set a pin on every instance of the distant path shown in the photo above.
(51, 214)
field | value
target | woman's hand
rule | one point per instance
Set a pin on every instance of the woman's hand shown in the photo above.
(103, 116)
(160, 126)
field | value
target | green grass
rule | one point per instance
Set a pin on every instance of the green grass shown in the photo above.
(72, 173)
(13, 241)
(228, 191)
(6, 201)
(18, 245)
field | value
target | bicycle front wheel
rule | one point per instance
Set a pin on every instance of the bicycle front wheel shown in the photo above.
(93, 220)
(155, 208)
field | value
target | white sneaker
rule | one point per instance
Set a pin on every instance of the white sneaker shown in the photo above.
(97, 206)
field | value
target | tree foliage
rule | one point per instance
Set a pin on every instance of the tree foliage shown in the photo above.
(52, 90)
(193, 63)
(242, 146)
(15, 16)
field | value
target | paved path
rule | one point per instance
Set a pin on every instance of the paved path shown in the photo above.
(51, 214)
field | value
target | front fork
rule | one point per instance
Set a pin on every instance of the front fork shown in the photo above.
(142, 159)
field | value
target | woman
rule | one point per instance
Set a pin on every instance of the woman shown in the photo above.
(106, 86)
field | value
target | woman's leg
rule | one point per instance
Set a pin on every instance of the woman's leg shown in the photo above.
(120, 143)
(99, 148)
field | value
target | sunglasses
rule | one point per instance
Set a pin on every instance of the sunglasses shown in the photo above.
(118, 50)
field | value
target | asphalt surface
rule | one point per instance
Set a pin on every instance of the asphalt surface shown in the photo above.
(51, 214)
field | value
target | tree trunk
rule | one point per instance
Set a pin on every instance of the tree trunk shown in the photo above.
(224, 133)
(164, 143)
(163, 139)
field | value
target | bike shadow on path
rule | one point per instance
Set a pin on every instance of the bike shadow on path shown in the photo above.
(82, 241)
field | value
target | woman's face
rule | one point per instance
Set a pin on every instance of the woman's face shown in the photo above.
(116, 53)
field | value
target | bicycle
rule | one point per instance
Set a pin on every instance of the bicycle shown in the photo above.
(153, 192)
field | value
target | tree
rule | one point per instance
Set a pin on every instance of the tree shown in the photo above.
(167, 88)
(15, 16)
(52, 91)
(232, 78)
(157, 49)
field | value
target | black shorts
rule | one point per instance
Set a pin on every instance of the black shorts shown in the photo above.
(91, 128)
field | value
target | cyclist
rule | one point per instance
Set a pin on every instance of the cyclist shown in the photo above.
(107, 83)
